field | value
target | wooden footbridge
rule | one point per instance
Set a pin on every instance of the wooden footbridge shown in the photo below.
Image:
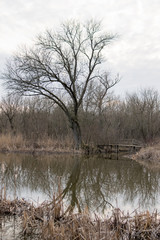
(117, 148)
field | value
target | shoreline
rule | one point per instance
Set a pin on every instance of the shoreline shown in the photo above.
(9, 144)
(148, 156)
(40, 152)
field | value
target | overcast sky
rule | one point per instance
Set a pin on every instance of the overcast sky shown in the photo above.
(135, 55)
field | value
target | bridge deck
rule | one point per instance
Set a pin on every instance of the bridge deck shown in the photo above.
(118, 148)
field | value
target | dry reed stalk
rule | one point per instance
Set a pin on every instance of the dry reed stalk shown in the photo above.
(49, 221)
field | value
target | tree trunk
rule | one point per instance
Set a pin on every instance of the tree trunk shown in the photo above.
(76, 134)
(13, 131)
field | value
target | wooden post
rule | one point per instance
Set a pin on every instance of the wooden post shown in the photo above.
(117, 150)
(134, 149)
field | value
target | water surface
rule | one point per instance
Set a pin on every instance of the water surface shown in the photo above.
(94, 182)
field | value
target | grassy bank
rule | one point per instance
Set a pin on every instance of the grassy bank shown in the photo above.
(149, 156)
(16, 143)
(51, 220)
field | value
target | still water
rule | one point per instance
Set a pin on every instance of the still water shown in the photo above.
(94, 182)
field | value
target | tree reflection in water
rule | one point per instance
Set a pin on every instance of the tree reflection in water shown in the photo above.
(93, 182)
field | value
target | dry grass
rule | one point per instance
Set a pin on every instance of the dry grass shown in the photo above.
(118, 226)
(10, 142)
(149, 156)
(50, 221)
(16, 143)
(61, 144)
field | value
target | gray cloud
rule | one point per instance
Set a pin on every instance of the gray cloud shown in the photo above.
(135, 54)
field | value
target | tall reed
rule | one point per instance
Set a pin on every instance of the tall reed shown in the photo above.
(50, 221)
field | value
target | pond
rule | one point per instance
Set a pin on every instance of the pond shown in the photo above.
(95, 182)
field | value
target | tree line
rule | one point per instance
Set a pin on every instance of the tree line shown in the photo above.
(137, 116)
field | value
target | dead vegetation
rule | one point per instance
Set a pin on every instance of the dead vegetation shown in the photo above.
(51, 220)
(17, 143)
(149, 156)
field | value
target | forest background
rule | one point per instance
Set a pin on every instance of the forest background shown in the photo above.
(38, 123)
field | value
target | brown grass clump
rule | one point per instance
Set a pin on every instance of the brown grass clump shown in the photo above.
(149, 156)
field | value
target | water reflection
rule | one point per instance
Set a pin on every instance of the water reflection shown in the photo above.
(92, 182)
(10, 227)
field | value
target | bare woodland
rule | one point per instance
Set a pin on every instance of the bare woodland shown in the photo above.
(110, 121)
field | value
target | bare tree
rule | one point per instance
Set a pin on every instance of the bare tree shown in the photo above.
(60, 67)
(10, 105)
(143, 112)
